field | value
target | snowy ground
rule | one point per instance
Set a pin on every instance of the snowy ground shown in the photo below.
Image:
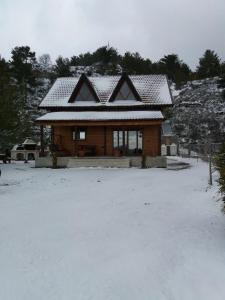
(92, 234)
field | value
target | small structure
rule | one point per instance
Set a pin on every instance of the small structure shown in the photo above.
(106, 117)
(25, 151)
(169, 140)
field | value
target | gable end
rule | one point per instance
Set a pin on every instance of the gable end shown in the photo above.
(125, 79)
(84, 84)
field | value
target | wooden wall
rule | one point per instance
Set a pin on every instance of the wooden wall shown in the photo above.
(102, 138)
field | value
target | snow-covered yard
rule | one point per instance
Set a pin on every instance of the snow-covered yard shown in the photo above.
(110, 234)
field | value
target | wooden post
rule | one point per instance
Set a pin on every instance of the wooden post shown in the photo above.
(52, 134)
(210, 165)
(143, 161)
(105, 141)
(42, 140)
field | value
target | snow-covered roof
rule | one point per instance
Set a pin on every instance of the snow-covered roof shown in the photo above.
(152, 89)
(29, 141)
(101, 116)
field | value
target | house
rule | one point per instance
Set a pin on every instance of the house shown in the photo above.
(25, 151)
(105, 117)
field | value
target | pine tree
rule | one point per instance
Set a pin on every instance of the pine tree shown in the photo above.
(24, 71)
(9, 113)
(176, 69)
(220, 164)
(209, 65)
(62, 67)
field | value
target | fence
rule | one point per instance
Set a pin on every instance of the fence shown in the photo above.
(204, 151)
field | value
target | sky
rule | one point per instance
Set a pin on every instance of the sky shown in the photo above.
(153, 28)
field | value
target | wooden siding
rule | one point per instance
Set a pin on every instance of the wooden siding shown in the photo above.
(102, 138)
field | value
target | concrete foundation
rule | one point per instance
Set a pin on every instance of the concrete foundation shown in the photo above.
(103, 162)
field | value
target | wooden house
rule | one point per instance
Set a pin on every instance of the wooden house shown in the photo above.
(106, 116)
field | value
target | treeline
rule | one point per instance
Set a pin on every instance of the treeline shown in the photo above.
(25, 79)
(107, 60)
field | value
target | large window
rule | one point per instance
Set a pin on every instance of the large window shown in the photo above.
(125, 93)
(85, 94)
(128, 142)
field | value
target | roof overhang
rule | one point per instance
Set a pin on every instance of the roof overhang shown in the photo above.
(131, 117)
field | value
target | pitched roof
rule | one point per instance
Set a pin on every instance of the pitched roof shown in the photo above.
(101, 116)
(152, 89)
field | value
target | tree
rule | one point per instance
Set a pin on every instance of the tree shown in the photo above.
(106, 55)
(220, 165)
(23, 62)
(209, 65)
(9, 113)
(45, 62)
(62, 67)
(133, 63)
(176, 69)
(24, 71)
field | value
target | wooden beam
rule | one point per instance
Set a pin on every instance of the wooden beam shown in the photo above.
(42, 140)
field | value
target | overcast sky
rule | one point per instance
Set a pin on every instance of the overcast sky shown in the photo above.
(151, 27)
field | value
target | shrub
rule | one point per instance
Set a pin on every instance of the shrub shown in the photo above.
(220, 166)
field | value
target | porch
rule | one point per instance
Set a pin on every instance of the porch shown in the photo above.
(102, 162)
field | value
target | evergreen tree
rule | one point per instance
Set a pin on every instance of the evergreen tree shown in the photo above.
(133, 63)
(209, 65)
(24, 70)
(176, 70)
(106, 55)
(220, 164)
(62, 67)
(9, 113)
(23, 62)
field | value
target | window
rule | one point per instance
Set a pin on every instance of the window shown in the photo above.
(79, 135)
(125, 93)
(128, 142)
(85, 94)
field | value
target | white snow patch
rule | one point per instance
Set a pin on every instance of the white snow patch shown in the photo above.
(110, 234)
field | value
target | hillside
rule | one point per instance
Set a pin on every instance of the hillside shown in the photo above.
(199, 111)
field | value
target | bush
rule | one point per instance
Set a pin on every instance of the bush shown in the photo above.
(220, 166)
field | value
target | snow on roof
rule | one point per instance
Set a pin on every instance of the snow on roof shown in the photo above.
(29, 141)
(101, 116)
(153, 90)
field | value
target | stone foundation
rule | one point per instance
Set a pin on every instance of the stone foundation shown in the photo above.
(103, 162)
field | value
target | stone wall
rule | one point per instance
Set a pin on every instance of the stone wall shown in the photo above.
(102, 162)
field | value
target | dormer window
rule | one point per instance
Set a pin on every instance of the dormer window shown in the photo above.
(125, 93)
(85, 93)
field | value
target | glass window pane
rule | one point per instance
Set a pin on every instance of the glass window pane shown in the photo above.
(82, 135)
(115, 139)
(125, 90)
(132, 141)
(120, 140)
(125, 93)
(85, 94)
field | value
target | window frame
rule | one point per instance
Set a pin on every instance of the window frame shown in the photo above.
(126, 137)
(76, 134)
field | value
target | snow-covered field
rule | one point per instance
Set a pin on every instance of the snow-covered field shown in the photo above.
(110, 234)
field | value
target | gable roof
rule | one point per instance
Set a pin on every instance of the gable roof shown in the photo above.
(153, 90)
(124, 78)
(83, 80)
